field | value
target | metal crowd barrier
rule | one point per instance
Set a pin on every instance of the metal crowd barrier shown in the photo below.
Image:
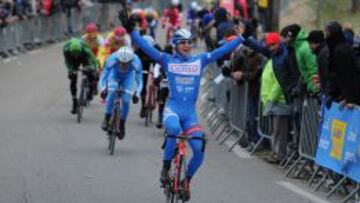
(39, 29)
(223, 106)
(229, 116)
(308, 139)
(238, 112)
(263, 127)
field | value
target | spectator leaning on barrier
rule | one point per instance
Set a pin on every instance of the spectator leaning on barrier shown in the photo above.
(306, 60)
(343, 63)
(276, 80)
(246, 67)
(295, 90)
(317, 44)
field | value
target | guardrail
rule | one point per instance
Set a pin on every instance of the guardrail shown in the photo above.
(40, 29)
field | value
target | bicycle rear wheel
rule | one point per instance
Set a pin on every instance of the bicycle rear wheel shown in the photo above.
(81, 102)
(147, 118)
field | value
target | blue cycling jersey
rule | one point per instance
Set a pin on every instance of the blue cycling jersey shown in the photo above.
(112, 72)
(114, 77)
(184, 72)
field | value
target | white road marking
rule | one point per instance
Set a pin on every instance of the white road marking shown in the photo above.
(301, 192)
(35, 51)
(8, 60)
(238, 151)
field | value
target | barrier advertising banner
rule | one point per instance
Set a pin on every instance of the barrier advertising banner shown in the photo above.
(339, 144)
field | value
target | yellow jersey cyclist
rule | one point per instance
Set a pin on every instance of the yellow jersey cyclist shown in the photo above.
(116, 39)
(94, 39)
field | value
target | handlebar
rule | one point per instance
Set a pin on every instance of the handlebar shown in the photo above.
(186, 137)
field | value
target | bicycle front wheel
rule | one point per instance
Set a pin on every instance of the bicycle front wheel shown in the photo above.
(115, 123)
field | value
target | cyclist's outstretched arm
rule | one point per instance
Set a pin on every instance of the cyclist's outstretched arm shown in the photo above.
(150, 50)
(138, 76)
(257, 46)
(211, 57)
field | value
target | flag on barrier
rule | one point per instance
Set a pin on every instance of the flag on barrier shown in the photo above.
(339, 144)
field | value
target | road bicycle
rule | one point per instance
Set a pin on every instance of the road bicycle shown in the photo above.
(114, 125)
(174, 189)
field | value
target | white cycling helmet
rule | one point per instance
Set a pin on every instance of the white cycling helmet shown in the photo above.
(125, 54)
(182, 34)
(175, 2)
(193, 5)
(149, 39)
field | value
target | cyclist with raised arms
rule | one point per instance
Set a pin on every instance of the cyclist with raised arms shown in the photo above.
(120, 71)
(184, 72)
(77, 52)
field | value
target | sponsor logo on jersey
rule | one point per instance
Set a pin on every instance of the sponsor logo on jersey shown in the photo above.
(185, 80)
(185, 68)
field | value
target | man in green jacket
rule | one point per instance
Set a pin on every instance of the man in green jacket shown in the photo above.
(306, 60)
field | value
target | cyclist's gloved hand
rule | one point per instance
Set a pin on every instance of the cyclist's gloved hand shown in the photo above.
(135, 98)
(129, 22)
(103, 94)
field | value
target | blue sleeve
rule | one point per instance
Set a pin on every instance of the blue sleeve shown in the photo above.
(257, 46)
(104, 75)
(211, 57)
(149, 50)
(138, 75)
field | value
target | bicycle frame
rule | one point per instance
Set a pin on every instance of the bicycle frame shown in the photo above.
(182, 151)
(180, 159)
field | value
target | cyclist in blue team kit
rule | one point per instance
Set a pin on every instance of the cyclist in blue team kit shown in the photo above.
(120, 71)
(184, 72)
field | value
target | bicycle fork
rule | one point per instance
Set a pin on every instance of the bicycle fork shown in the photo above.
(179, 161)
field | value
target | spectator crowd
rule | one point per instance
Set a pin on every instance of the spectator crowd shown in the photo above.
(284, 68)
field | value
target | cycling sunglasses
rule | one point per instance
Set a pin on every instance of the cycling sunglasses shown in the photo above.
(185, 41)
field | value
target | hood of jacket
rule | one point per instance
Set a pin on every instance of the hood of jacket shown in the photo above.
(300, 38)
